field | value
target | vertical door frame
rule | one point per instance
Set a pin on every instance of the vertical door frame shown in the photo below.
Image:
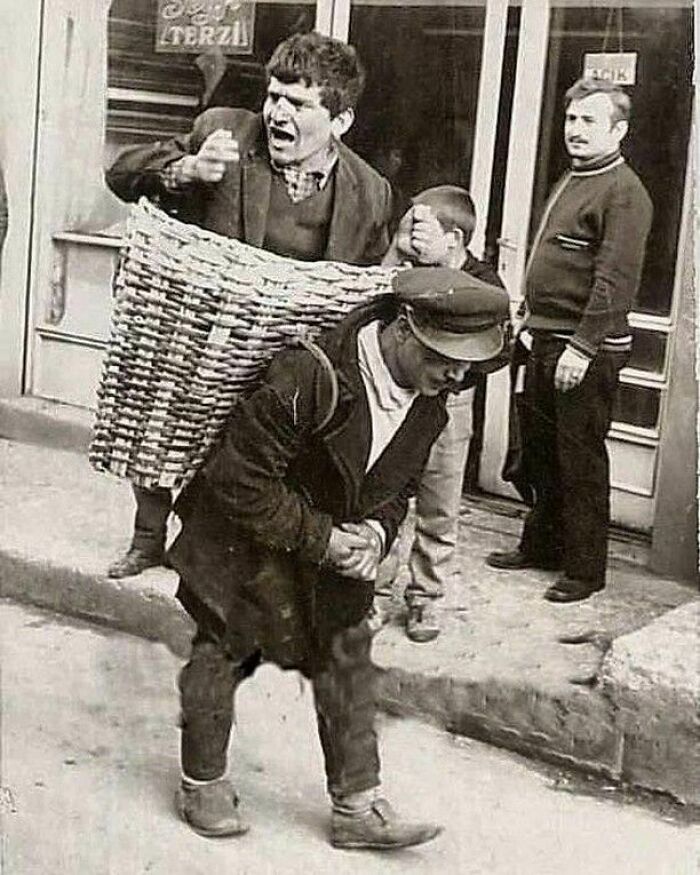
(333, 18)
(523, 142)
(45, 277)
(533, 48)
(674, 544)
(492, 51)
(341, 19)
(324, 17)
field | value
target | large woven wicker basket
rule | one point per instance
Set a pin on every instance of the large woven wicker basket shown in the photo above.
(196, 319)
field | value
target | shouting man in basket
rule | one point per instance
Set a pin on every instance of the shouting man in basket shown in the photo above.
(281, 179)
(283, 529)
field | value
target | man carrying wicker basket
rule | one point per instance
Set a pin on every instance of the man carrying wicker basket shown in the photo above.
(284, 526)
(281, 180)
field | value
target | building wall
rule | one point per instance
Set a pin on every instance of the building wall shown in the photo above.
(20, 25)
(675, 533)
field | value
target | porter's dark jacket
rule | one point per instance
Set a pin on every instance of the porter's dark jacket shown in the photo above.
(257, 517)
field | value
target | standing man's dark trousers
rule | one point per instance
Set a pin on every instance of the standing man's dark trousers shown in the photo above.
(564, 440)
(342, 677)
(153, 508)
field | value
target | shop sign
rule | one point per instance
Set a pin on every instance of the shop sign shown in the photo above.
(200, 25)
(617, 67)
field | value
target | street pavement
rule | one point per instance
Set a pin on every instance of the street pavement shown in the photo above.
(89, 746)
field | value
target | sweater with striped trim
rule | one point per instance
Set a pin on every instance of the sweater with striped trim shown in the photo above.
(587, 256)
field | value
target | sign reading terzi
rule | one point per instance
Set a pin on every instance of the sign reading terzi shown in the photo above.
(197, 25)
(617, 67)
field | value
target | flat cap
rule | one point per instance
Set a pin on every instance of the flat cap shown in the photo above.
(452, 312)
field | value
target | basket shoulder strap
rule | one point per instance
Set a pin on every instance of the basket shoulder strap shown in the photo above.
(327, 366)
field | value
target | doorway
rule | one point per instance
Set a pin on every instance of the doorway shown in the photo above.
(553, 41)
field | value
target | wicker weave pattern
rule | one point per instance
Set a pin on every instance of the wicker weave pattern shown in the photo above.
(197, 317)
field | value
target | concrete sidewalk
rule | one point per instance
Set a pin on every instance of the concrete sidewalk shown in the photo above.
(623, 702)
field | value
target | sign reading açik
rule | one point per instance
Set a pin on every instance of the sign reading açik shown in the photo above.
(617, 67)
(197, 25)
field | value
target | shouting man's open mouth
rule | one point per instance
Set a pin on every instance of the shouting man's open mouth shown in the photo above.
(279, 135)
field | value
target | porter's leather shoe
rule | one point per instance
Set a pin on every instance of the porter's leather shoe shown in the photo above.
(134, 561)
(567, 589)
(379, 829)
(514, 559)
(210, 809)
(422, 623)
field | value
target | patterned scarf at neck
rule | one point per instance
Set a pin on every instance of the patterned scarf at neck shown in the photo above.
(302, 184)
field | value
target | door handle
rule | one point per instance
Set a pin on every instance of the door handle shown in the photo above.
(507, 243)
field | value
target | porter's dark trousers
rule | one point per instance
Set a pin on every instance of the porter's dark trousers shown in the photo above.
(563, 436)
(343, 684)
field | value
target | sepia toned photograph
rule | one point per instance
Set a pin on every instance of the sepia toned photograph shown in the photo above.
(349, 416)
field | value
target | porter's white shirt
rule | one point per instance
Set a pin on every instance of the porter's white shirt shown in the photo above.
(388, 402)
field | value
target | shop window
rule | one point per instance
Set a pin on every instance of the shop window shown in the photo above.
(156, 94)
(149, 94)
(243, 82)
(416, 119)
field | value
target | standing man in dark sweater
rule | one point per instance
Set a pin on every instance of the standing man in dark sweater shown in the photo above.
(580, 284)
(282, 180)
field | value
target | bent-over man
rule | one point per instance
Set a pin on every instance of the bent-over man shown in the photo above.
(285, 525)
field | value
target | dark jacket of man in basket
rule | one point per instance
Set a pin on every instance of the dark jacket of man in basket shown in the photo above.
(285, 525)
(281, 179)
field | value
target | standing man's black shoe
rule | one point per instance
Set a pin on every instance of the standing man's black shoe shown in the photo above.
(567, 589)
(514, 559)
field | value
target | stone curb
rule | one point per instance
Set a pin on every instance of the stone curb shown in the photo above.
(657, 703)
(132, 606)
(594, 730)
(578, 731)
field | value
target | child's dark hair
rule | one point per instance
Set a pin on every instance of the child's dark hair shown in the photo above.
(452, 206)
(320, 60)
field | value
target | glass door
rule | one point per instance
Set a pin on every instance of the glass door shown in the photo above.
(553, 47)
(417, 118)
